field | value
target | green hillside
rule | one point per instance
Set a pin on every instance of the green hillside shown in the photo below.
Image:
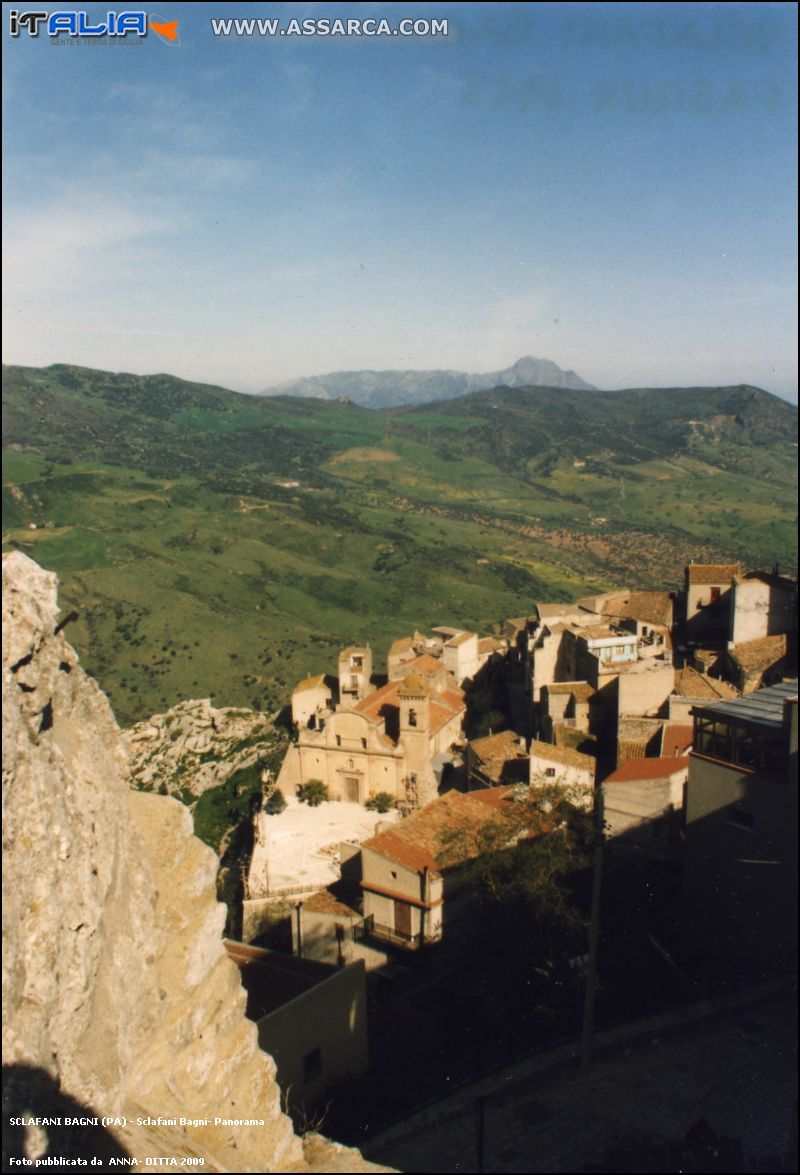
(226, 545)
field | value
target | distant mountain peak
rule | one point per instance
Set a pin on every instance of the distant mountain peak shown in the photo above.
(529, 371)
(528, 365)
(392, 389)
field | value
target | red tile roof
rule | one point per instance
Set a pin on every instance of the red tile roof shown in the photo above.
(647, 607)
(422, 840)
(501, 757)
(505, 744)
(441, 714)
(640, 770)
(425, 663)
(715, 573)
(676, 739)
(443, 706)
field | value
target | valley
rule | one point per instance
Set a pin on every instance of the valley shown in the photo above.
(221, 545)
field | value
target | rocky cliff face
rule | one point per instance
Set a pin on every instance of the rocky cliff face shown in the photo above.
(118, 998)
(194, 747)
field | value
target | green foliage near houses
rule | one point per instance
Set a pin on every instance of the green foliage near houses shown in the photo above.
(275, 804)
(223, 545)
(220, 810)
(536, 881)
(313, 793)
(534, 884)
(382, 801)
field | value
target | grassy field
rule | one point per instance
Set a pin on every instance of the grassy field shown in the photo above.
(226, 546)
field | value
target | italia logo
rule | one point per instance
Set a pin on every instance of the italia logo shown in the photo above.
(73, 23)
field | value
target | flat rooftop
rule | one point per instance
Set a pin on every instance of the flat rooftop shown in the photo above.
(272, 979)
(764, 707)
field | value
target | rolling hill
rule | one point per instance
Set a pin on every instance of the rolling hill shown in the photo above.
(226, 545)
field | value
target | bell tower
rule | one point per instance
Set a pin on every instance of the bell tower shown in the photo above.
(415, 710)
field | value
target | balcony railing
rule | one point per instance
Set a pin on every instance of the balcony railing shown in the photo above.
(370, 929)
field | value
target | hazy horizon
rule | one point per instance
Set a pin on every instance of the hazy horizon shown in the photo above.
(606, 186)
(791, 399)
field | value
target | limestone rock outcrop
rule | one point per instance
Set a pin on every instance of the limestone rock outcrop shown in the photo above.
(117, 993)
(194, 746)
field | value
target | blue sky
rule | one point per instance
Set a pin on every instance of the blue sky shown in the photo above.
(611, 186)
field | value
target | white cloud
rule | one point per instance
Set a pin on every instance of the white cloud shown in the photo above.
(67, 245)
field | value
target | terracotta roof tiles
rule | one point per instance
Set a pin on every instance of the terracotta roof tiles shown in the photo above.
(460, 639)
(640, 770)
(580, 690)
(324, 902)
(425, 663)
(429, 839)
(714, 573)
(566, 756)
(444, 706)
(691, 684)
(676, 739)
(648, 607)
(493, 746)
(760, 653)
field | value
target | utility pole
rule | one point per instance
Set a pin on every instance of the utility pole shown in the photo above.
(480, 1125)
(587, 1035)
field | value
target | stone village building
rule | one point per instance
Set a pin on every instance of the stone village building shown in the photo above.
(393, 739)
(592, 678)
(741, 826)
(311, 1018)
(707, 596)
(496, 759)
(643, 804)
(553, 764)
(404, 887)
(600, 671)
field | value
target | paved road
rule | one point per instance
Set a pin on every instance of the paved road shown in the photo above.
(736, 1069)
